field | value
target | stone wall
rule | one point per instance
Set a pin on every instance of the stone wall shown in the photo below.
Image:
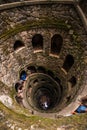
(23, 23)
(62, 20)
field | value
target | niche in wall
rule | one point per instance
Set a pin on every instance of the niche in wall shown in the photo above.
(56, 44)
(18, 44)
(68, 63)
(37, 42)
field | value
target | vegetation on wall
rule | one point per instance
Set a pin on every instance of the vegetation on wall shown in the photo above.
(42, 23)
(75, 122)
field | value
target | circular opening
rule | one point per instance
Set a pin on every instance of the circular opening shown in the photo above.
(45, 96)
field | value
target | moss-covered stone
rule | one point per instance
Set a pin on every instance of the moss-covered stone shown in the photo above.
(75, 122)
(42, 23)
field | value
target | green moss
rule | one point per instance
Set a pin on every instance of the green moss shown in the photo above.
(42, 23)
(76, 122)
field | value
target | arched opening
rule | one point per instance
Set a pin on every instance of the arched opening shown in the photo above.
(50, 73)
(57, 80)
(23, 75)
(17, 86)
(37, 42)
(31, 69)
(41, 69)
(18, 44)
(46, 93)
(56, 44)
(69, 61)
(73, 81)
(68, 98)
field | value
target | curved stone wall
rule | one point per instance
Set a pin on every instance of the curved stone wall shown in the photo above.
(48, 19)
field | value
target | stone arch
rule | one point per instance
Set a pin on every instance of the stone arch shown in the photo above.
(17, 86)
(18, 44)
(56, 44)
(37, 42)
(69, 61)
(41, 69)
(31, 69)
(73, 81)
(50, 73)
(23, 75)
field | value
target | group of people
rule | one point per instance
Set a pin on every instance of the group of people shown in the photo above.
(83, 106)
(19, 87)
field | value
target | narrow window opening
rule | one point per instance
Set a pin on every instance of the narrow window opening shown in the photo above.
(37, 42)
(68, 98)
(43, 80)
(35, 81)
(31, 69)
(73, 81)
(69, 61)
(57, 80)
(50, 73)
(17, 86)
(41, 69)
(56, 44)
(18, 44)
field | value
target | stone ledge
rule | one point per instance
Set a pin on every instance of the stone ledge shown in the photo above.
(34, 2)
